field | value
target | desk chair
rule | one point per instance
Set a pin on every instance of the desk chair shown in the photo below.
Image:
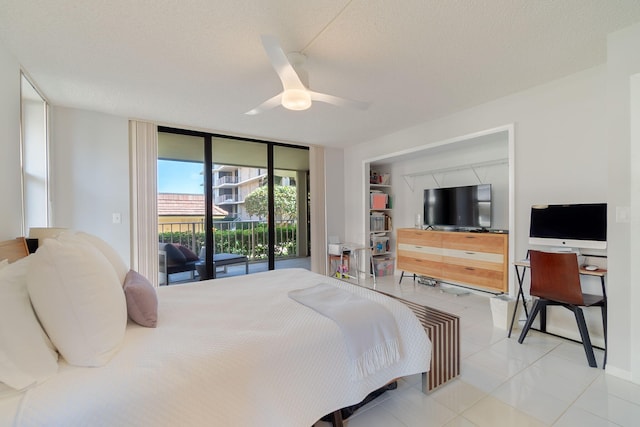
(555, 280)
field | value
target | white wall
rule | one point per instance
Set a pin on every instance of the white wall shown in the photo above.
(90, 174)
(10, 175)
(334, 180)
(560, 154)
(557, 126)
(623, 61)
(634, 252)
(415, 174)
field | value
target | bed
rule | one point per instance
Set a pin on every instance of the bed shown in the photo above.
(236, 351)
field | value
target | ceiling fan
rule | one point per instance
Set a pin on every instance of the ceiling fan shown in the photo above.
(296, 94)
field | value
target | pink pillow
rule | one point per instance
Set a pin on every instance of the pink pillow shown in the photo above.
(142, 300)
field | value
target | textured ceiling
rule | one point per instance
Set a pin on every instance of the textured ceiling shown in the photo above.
(200, 63)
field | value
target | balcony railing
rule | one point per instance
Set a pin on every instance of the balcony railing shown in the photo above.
(226, 180)
(248, 238)
(226, 198)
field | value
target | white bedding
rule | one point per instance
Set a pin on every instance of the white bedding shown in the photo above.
(226, 352)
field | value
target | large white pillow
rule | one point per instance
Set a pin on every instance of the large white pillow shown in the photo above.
(107, 250)
(79, 300)
(26, 357)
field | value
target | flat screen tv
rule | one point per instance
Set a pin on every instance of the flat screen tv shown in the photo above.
(572, 225)
(458, 207)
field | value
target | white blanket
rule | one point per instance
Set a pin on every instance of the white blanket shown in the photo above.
(369, 329)
(226, 352)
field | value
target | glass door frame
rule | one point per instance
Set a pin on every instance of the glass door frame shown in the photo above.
(209, 197)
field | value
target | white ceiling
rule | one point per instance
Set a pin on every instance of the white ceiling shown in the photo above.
(200, 63)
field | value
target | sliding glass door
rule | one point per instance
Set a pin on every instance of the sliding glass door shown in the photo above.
(181, 206)
(291, 199)
(249, 213)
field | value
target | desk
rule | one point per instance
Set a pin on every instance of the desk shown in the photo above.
(521, 268)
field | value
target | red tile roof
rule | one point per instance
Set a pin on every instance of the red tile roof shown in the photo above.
(172, 204)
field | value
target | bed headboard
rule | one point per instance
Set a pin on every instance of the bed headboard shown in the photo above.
(14, 249)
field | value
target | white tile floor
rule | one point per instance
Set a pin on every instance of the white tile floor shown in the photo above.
(544, 382)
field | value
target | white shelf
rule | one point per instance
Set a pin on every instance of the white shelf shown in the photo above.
(409, 178)
(385, 236)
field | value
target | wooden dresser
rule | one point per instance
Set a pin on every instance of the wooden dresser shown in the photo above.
(471, 259)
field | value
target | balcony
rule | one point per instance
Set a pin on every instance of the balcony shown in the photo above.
(226, 168)
(248, 238)
(226, 181)
(226, 199)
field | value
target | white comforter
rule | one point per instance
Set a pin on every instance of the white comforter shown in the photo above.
(226, 352)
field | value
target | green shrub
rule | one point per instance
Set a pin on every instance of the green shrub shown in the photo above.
(250, 241)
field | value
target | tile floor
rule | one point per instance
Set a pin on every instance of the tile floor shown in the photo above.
(544, 382)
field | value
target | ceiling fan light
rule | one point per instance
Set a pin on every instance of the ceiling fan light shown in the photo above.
(296, 99)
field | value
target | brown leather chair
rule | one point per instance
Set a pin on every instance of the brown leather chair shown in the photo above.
(555, 280)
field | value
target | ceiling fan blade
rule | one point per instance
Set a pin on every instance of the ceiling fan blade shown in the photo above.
(279, 61)
(340, 102)
(266, 105)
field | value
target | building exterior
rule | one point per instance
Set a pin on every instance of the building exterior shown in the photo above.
(231, 184)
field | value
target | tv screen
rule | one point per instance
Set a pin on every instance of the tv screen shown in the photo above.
(460, 207)
(571, 225)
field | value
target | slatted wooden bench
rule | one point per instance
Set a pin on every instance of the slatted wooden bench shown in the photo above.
(443, 329)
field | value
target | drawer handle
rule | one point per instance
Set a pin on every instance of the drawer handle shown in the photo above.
(470, 253)
(469, 268)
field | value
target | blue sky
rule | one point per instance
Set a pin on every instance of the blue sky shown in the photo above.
(180, 177)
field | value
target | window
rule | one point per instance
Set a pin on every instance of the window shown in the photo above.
(34, 156)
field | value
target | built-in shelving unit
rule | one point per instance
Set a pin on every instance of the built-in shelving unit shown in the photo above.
(381, 222)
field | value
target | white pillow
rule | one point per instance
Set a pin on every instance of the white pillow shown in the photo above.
(114, 258)
(79, 300)
(4, 263)
(26, 357)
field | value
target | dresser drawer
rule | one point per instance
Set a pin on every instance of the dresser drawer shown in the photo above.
(472, 258)
(482, 277)
(424, 267)
(475, 242)
(418, 251)
(419, 237)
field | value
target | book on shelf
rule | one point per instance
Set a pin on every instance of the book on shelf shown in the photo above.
(379, 221)
(378, 200)
(379, 178)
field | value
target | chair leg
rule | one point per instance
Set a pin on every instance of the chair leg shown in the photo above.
(532, 316)
(584, 334)
(543, 318)
(336, 419)
(604, 326)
